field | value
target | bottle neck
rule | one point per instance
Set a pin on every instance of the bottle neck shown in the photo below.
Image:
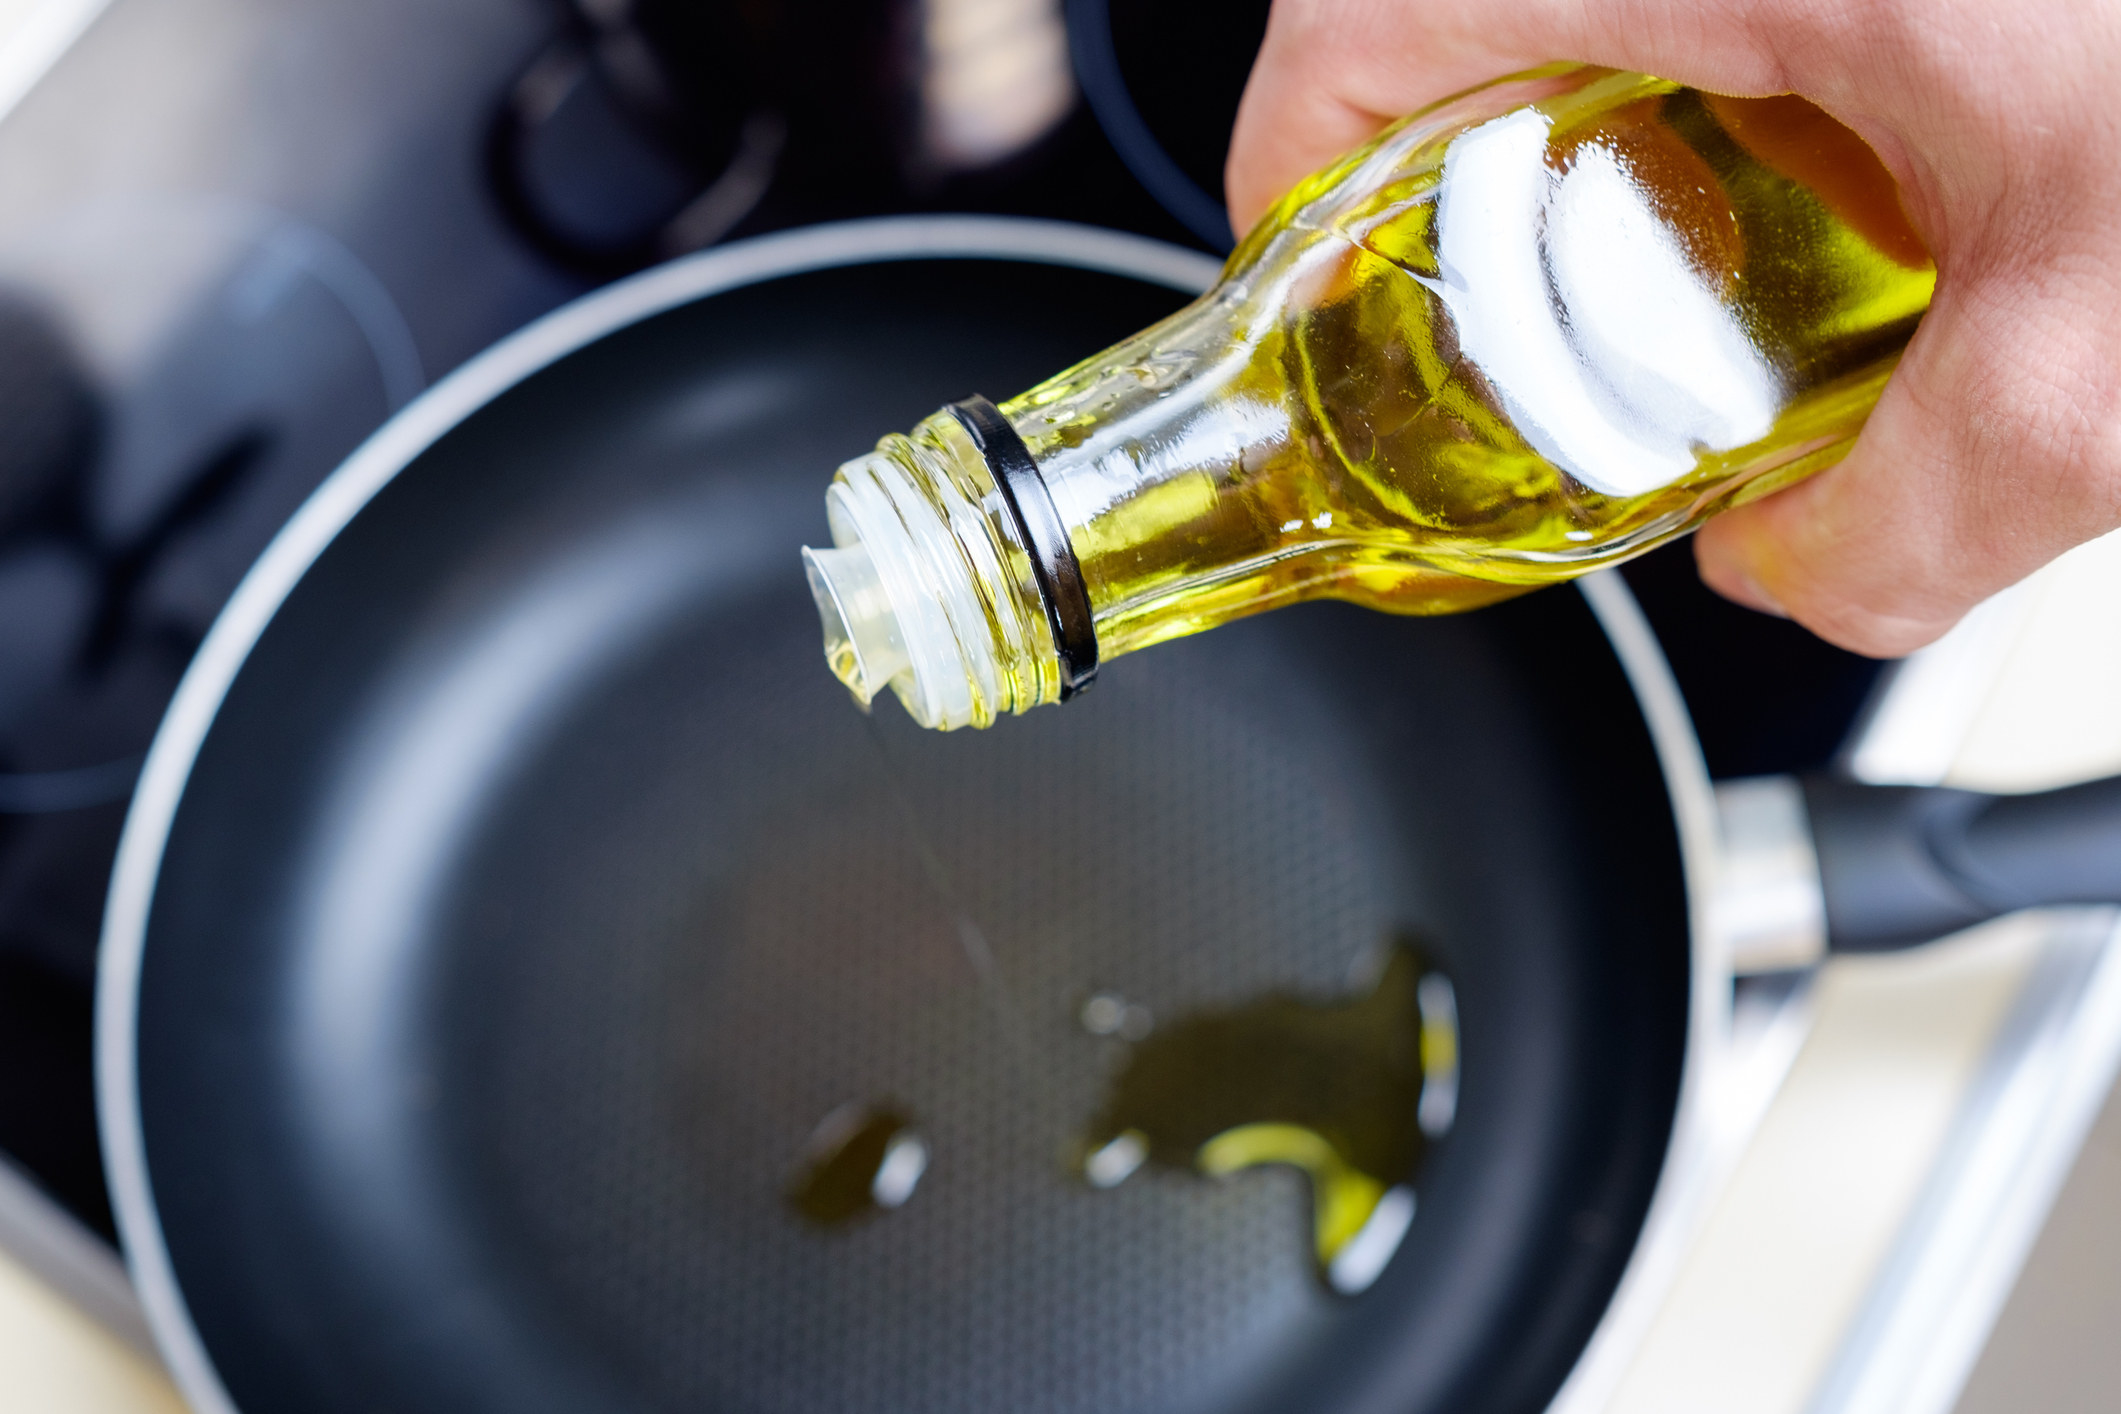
(1155, 453)
(988, 561)
(1045, 535)
(931, 589)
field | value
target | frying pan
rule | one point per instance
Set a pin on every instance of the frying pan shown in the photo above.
(511, 895)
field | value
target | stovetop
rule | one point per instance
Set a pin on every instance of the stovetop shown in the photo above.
(233, 236)
(236, 234)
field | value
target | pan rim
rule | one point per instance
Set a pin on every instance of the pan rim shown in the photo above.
(408, 434)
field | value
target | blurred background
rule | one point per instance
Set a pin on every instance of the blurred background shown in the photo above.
(236, 235)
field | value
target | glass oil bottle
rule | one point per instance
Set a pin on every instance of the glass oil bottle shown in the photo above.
(1532, 331)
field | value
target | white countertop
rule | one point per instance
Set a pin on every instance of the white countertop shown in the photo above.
(69, 1341)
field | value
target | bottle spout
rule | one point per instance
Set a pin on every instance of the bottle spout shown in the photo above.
(863, 643)
(914, 596)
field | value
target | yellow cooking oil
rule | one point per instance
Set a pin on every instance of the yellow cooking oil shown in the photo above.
(1347, 1091)
(1532, 331)
(863, 1158)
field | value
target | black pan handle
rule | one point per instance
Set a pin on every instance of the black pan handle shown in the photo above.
(1900, 865)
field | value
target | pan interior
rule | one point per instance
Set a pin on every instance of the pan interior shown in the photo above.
(764, 943)
(538, 897)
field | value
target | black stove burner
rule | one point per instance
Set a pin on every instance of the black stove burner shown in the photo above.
(165, 451)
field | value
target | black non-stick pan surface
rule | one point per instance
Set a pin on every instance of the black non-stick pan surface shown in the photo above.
(496, 929)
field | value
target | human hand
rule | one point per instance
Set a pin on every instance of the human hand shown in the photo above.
(1995, 446)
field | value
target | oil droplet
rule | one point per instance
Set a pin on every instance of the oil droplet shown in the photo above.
(1349, 1091)
(861, 1159)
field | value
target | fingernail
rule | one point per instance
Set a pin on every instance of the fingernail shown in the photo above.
(1741, 588)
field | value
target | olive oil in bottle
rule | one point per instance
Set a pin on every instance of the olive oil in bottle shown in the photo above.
(1532, 331)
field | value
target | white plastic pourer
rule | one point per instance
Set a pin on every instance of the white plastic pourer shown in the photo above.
(898, 602)
(862, 641)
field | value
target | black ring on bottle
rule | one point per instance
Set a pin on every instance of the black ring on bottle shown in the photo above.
(1053, 563)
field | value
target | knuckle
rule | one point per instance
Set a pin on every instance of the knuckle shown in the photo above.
(2044, 438)
(2035, 432)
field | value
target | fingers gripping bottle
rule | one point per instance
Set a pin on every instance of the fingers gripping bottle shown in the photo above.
(1532, 331)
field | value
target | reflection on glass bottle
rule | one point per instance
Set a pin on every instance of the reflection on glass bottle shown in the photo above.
(1347, 1091)
(1532, 331)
